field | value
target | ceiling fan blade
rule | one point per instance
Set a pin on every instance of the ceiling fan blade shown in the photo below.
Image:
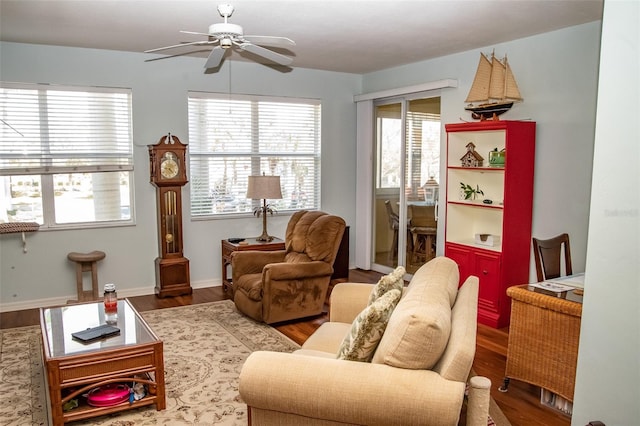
(195, 33)
(215, 57)
(270, 41)
(193, 43)
(266, 53)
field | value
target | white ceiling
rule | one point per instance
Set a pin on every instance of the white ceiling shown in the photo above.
(354, 36)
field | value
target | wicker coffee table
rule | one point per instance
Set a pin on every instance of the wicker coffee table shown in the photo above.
(73, 368)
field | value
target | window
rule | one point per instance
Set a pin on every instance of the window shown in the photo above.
(66, 155)
(423, 147)
(233, 137)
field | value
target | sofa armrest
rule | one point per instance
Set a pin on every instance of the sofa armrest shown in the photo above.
(479, 400)
(253, 261)
(348, 300)
(352, 392)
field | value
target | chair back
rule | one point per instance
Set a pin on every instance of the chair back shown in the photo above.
(313, 236)
(394, 219)
(423, 216)
(548, 257)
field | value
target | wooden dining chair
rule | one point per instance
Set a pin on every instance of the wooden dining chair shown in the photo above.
(548, 256)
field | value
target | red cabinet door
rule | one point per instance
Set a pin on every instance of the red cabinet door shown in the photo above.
(486, 265)
(462, 256)
(487, 268)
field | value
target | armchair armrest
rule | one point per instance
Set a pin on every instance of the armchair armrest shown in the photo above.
(352, 392)
(295, 271)
(253, 261)
(348, 300)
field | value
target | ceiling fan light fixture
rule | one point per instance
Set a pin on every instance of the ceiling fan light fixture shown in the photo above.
(226, 43)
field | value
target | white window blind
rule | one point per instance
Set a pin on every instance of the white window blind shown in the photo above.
(66, 154)
(233, 137)
(50, 129)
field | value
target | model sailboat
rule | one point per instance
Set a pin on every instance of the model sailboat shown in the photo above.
(494, 89)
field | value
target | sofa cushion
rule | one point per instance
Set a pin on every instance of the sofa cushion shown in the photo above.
(328, 337)
(368, 327)
(394, 280)
(418, 330)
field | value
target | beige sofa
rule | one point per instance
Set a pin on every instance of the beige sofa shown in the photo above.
(417, 375)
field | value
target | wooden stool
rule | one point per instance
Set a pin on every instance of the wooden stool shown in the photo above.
(87, 262)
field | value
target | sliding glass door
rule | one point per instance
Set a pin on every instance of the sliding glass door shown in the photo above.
(406, 175)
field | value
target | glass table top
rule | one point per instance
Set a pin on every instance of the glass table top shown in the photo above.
(59, 322)
(574, 295)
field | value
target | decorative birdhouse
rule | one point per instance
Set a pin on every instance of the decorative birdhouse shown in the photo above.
(471, 158)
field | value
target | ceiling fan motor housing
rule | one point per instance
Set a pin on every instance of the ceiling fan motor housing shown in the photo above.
(225, 30)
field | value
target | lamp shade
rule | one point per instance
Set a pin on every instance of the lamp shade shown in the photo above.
(267, 187)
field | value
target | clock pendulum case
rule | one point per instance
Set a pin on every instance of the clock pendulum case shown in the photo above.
(168, 174)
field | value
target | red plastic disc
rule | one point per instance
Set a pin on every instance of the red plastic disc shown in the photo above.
(108, 395)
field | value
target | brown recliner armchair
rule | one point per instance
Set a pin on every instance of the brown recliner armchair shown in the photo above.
(281, 285)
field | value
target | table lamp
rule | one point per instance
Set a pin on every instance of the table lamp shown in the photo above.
(264, 187)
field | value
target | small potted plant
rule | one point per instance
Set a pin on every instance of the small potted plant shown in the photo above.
(470, 193)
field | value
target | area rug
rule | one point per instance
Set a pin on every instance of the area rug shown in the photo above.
(205, 346)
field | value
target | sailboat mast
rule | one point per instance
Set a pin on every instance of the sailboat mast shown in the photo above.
(504, 88)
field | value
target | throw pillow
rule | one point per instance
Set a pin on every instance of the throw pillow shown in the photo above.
(368, 327)
(419, 330)
(394, 280)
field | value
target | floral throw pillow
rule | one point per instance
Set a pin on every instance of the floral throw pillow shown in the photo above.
(388, 282)
(368, 327)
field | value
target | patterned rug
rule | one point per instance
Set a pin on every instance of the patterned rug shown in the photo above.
(205, 346)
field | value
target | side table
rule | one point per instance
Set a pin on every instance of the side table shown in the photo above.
(543, 339)
(247, 244)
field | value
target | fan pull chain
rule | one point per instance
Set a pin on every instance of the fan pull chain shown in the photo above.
(229, 62)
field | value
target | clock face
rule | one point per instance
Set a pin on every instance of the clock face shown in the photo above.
(169, 167)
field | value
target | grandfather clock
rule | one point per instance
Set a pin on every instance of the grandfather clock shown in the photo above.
(168, 174)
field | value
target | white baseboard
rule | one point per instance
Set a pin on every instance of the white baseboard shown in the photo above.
(122, 293)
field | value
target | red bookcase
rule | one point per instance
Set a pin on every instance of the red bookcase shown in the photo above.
(504, 223)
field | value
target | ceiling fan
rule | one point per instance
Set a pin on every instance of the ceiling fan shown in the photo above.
(224, 36)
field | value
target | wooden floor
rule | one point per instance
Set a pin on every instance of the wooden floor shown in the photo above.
(521, 404)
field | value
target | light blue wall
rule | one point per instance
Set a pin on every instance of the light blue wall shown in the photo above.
(557, 74)
(44, 275)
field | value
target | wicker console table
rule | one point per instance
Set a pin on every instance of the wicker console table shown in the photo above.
(543, 340)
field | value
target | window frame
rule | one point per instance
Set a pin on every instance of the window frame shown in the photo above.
(98, 158)
(254, 157)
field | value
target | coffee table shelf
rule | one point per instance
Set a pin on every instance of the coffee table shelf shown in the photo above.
(73, 368)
